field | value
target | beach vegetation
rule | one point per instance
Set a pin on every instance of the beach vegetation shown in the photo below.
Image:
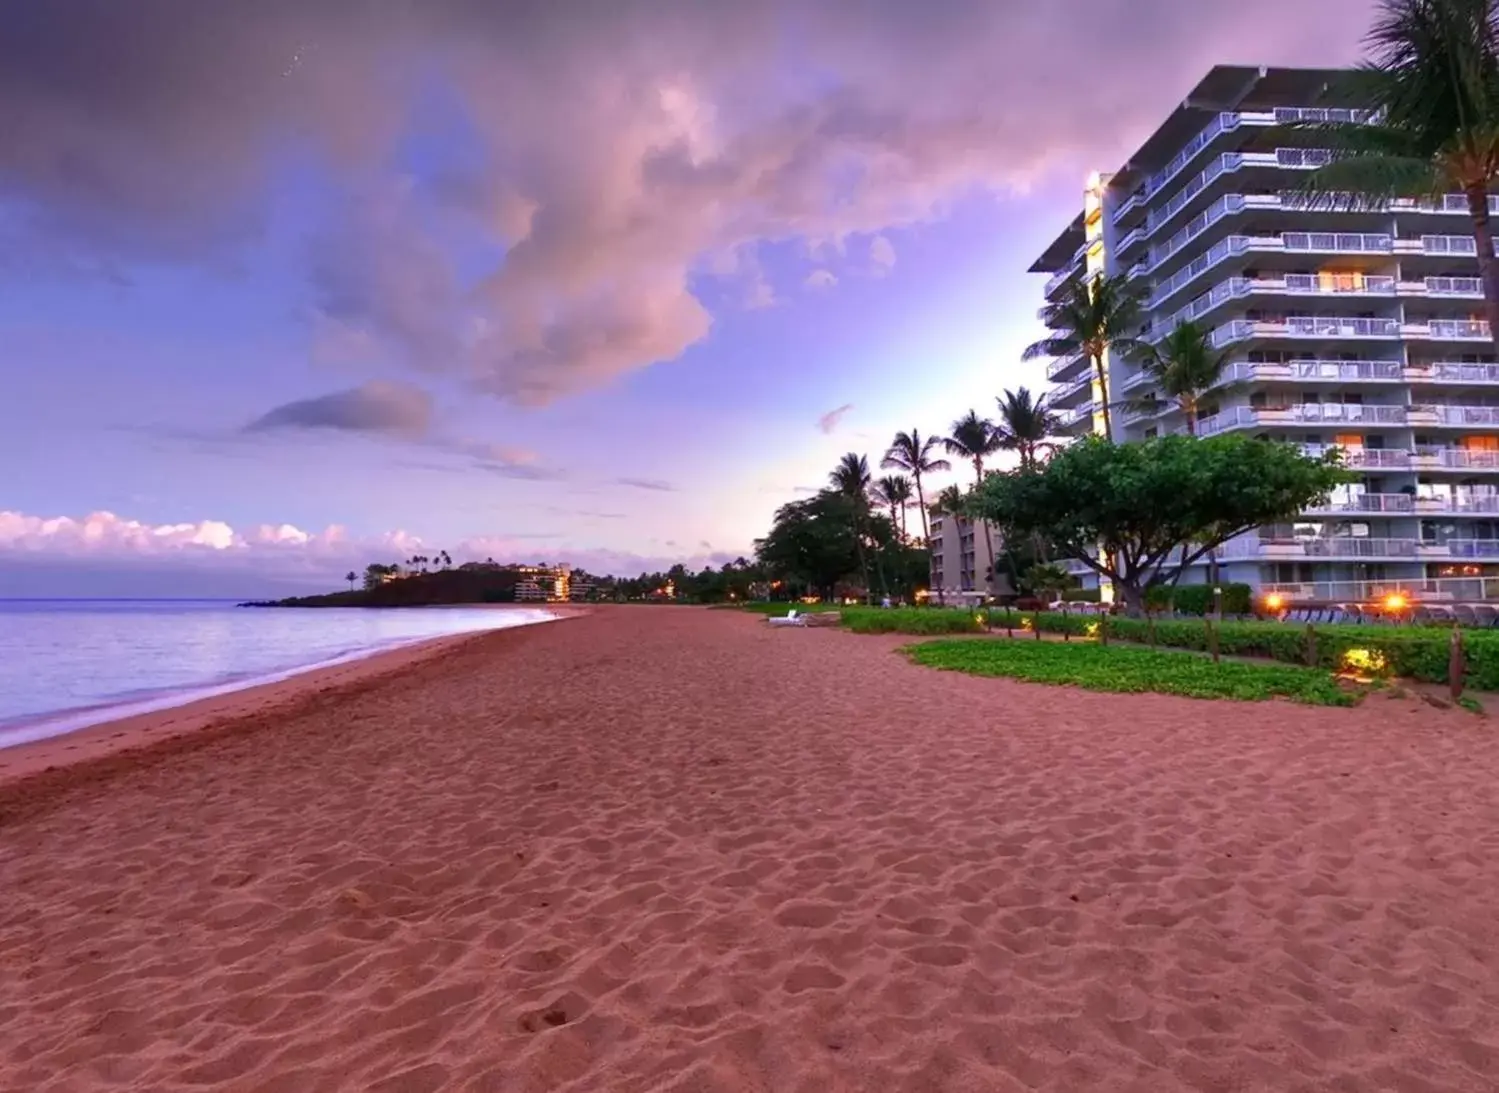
(1139, 514)
(1133, 670)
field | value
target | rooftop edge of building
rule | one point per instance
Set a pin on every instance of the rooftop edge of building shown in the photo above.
(1224, 88)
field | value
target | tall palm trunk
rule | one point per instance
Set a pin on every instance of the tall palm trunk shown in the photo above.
(978, 472)
(863, 561)
(926, 535)
(1103, 393)
(1488, 269)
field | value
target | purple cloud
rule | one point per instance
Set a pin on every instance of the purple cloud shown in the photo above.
(830, 421)
(612, 155)
(389, 409)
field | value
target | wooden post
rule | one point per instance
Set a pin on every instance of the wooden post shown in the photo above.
(1066, 630)
(1150, 627)
(1009, 622)
(1311, 646)
(1212, 635)
(1103, 628)
(1457, 666)
(1036, 623)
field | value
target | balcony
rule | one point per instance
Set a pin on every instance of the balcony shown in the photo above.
(1329, 547)
(1448, 330)
(1077, 416)
(1448, 416)
(1135, 381)
(1064, 367)
(1459, 504)
(1312, 370)
(1061, 277)
(1305, 413)
(1066, 394)
(1462, 548)
(1429, 457)
(1456, 288)
(1287, 242)
(1436, 246)
(1292, 284)
(1291, 159)
(1455, 372)
(1363, 458)
(1371, 503)
(1307, 326)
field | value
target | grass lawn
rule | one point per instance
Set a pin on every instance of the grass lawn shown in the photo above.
(1132, 670)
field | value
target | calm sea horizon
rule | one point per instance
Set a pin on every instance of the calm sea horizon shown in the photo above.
(66, 664)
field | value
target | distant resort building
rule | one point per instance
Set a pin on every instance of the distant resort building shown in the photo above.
(962, 562)
(544, 584)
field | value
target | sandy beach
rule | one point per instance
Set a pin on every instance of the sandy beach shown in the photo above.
(673, 849)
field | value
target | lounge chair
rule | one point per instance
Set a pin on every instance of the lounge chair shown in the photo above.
(791, 618)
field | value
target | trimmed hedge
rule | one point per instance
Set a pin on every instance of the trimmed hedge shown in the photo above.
(1080, 595)
(1197, 599)
(1419, 653)
(913, 620)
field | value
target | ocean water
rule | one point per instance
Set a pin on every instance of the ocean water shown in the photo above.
(66, 664)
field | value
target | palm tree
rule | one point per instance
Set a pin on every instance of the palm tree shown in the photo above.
(1186, 368)
(1026, 425)
(894, 490)
(351, 577)
(850, 479)
(1094, 317)
(1432, 84)
(975, 439)
(912, 453)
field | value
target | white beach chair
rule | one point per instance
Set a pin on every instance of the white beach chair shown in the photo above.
(791, 618)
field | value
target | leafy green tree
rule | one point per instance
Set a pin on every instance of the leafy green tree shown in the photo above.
(811, 544)
(1026, 425)
(351, 577)
(1139, 503)
(1095, 317)
(914, 454)
(1432, 80)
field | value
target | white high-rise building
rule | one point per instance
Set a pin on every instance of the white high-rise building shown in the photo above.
(1363, 329)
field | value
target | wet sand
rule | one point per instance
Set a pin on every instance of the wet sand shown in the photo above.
(671, 849)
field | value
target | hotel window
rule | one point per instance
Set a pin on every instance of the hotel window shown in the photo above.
(1349, 440)
(1479, 443)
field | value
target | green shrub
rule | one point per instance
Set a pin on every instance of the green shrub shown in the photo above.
(912, 620)
(1127, 669)
(1419, 653)
(1197, 599)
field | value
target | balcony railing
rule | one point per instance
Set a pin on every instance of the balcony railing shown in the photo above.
(1077, 416)
(1468, 548)
(1463, 287)
(1340, 242)
(1061, 277)
(1330, 546)
(1469, 504)
(1304, 413)
(1388, 458)
(1452, 372)
(1370, 502)
(1443, 244)
(1456, 458)
(1292, 284)
(1313, 371)
(1455, 330)
(1305, 326)
(1443, 414)
(1062, 365)
(1436, 590)
(1068, 391)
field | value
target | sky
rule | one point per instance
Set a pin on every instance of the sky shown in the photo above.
(290, 287)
